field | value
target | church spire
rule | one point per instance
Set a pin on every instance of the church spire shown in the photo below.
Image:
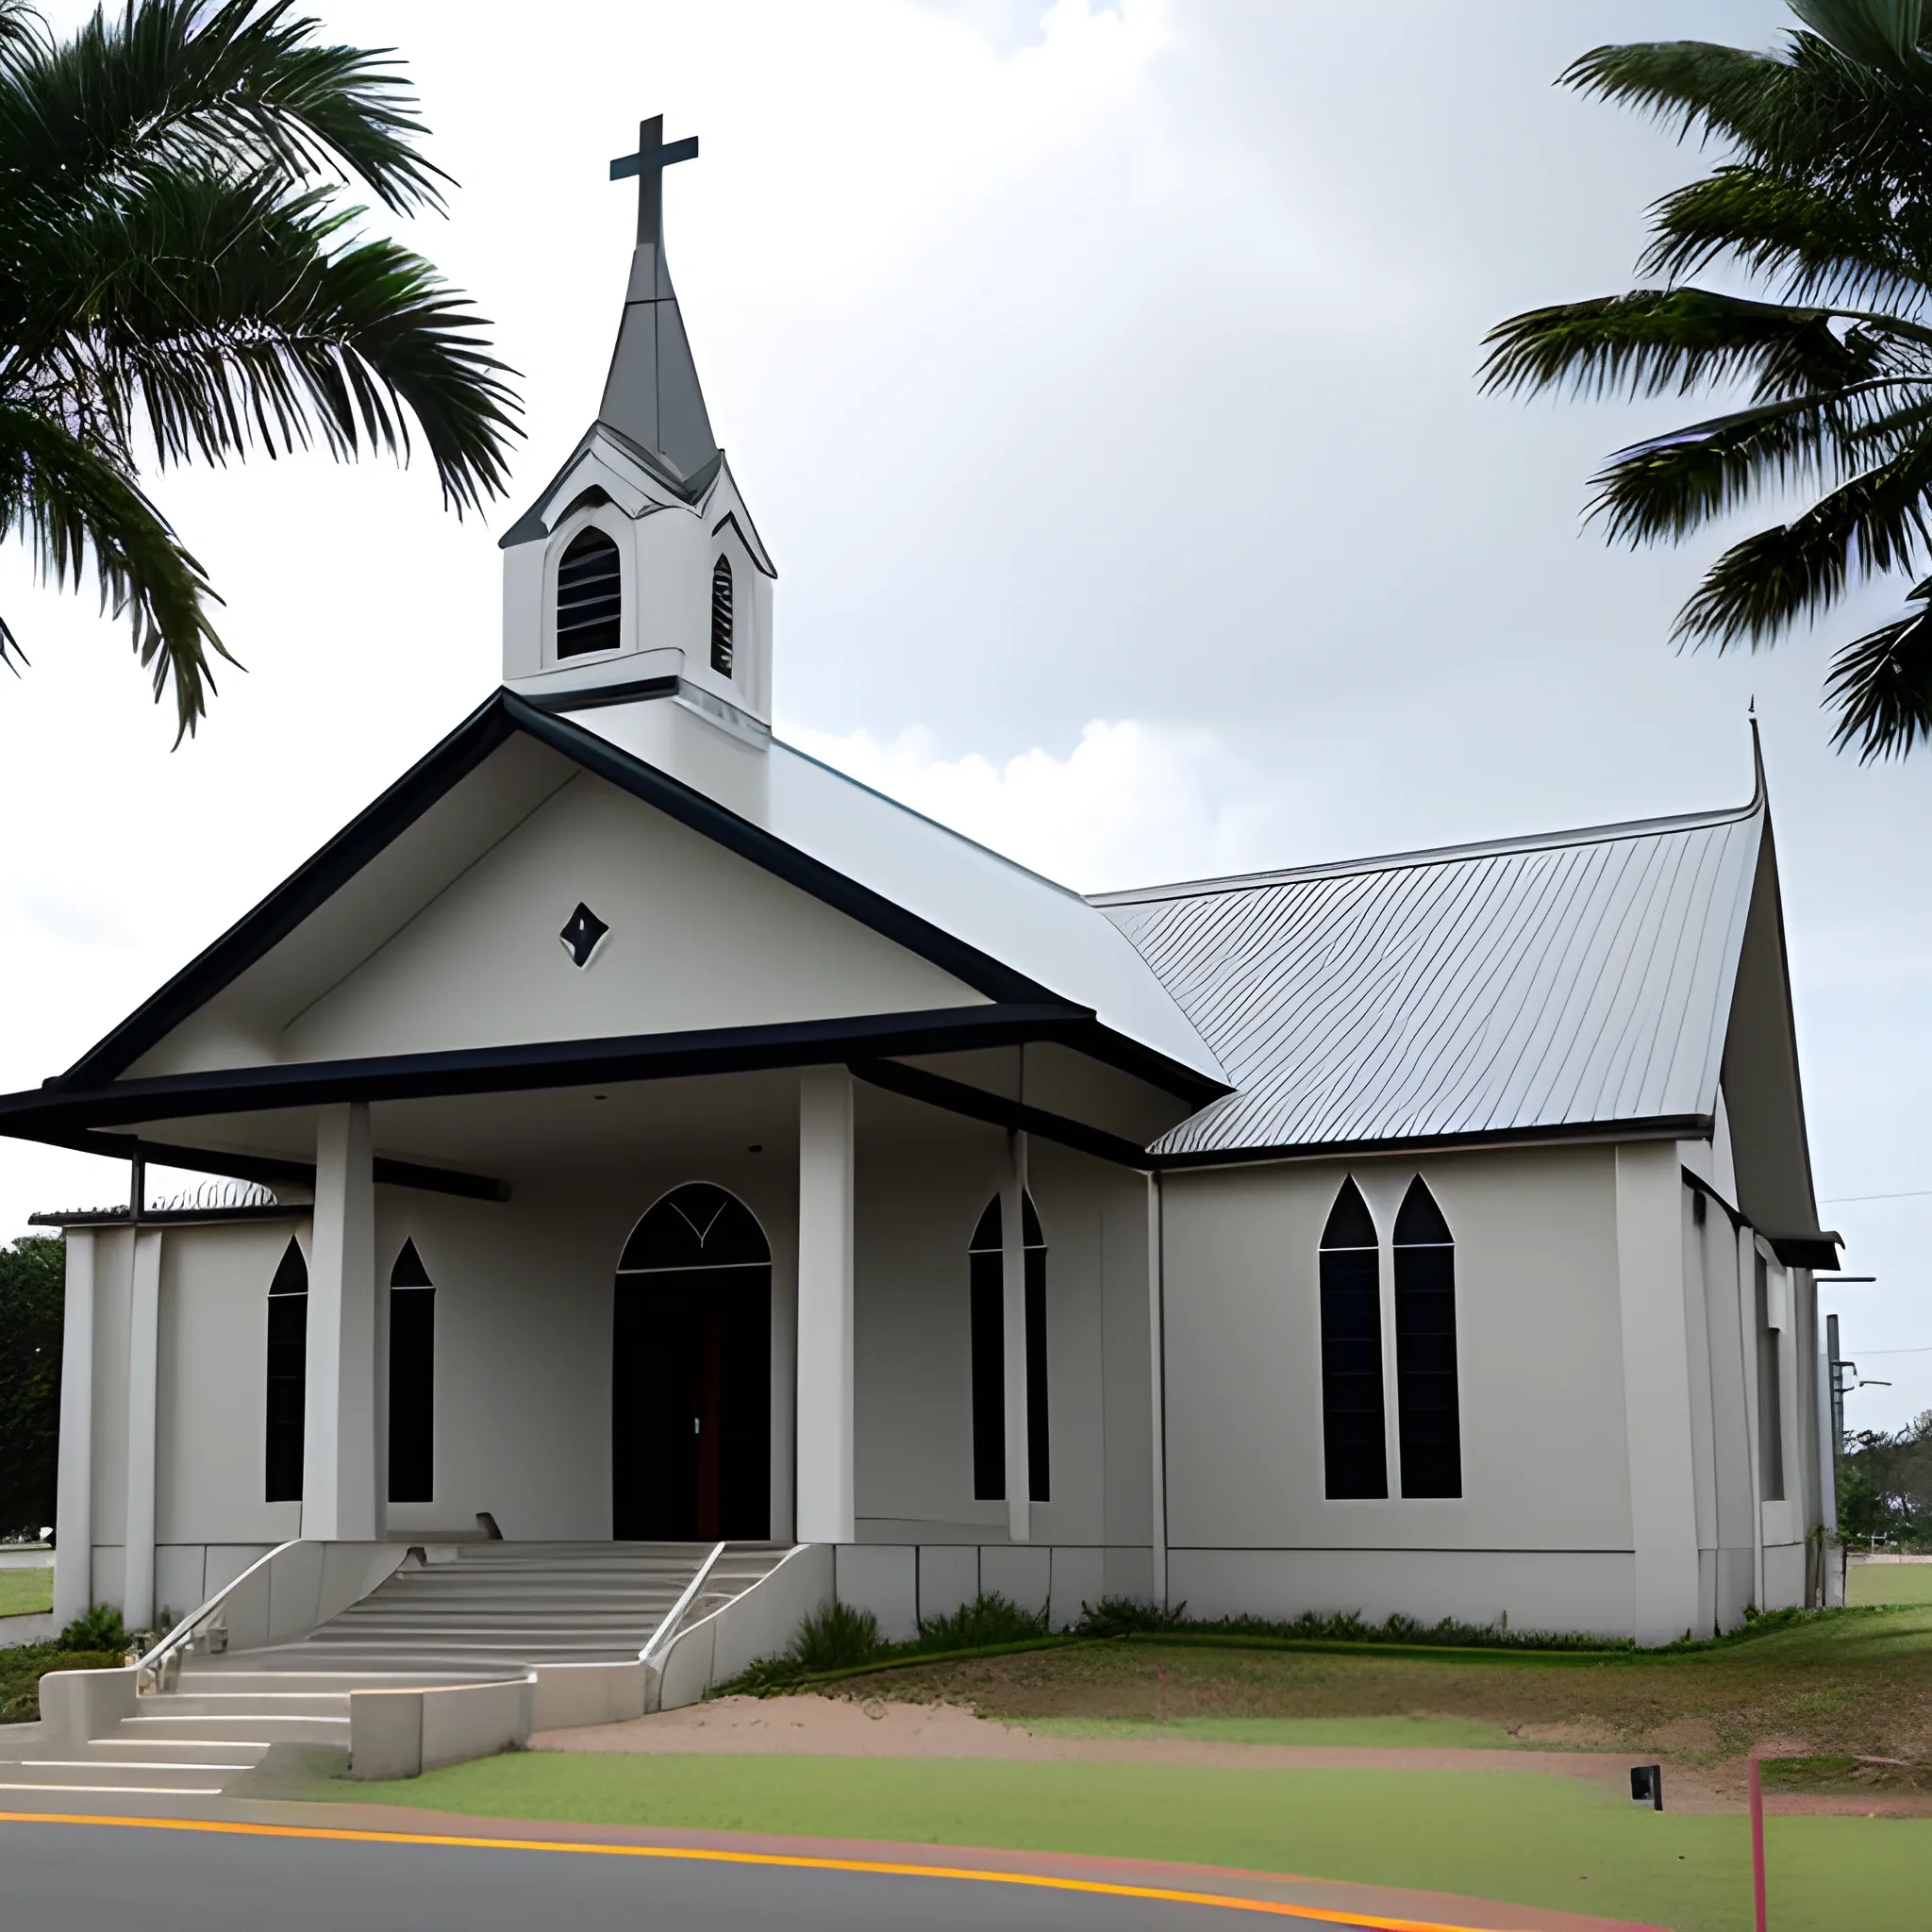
(652, 395)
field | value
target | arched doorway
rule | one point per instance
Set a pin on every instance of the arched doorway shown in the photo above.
(691, 1373)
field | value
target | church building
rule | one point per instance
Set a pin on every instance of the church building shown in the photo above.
(647, 1138)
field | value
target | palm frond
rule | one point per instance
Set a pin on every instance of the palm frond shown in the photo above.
(73, 507)
(1759, 588)
(22, 28)
(1668, 486)
(224, 317)
(1880, 34)
(1822, 248)
(1654, 341)
(1881, 684)
(243, 84)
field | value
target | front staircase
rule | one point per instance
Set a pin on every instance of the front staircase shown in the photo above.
(461, 1613)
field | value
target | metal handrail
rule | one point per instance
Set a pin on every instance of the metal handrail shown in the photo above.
(668, 1628)
(179, 1636)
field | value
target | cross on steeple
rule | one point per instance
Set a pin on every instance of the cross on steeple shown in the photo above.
(648, 165)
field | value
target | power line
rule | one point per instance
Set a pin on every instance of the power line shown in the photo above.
(1847, 1200)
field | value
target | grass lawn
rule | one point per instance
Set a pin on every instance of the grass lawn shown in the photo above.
(1891, 1583)
(25, 1593)
(1854, 1684)
(1538, 1841)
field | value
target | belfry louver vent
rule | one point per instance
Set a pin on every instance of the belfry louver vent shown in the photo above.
(721, 616)
(589, 596)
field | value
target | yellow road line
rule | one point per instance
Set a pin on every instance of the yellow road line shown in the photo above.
(709, 1856)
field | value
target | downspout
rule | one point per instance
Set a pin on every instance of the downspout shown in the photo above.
(1157, 1368)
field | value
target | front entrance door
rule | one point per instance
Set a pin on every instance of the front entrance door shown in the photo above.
(691, 1430)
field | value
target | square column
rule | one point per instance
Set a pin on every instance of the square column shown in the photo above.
(1014, 1338)
(1657, 1390)
(73, 1511)
(826, 1502)
(144, 1361)
(339, 1499)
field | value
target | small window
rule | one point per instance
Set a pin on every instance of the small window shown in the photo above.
(1771, 1395)
(987, 1275)
(411, 1380)
(721, 617)
(1428, 1425)
(1355, 1453)
(589, 596)
(288, 1375)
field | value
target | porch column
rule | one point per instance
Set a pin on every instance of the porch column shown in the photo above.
(338, 1500)
(826, 1511)
(74, 1504)
(143, 1350)
(1013, 1333)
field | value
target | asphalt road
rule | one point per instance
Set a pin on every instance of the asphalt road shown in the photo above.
(92, 1878)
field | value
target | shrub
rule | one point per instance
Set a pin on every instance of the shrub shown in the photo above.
(101, 1628)
(989, 1618)
(1126, 1616)
(22, 1666)
(834, 1637)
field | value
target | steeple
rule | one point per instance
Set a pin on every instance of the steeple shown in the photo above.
(638, 575)
(652, 395)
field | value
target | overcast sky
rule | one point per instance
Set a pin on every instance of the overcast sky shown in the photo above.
(1101, 379)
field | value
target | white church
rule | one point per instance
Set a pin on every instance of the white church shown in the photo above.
(666, 1152)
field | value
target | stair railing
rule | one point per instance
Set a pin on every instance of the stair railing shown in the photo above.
(160, 1668)
(652, 1657)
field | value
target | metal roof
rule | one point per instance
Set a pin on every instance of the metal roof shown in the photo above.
(1537, 984)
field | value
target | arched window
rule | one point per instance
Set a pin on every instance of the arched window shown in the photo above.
(1354, 1452)
(988, 1283)
(721, 616)
(411, 1380)
(288, 1374)
(589, 594)
(1429, 1429)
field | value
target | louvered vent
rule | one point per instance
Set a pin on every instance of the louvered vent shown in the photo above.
(589, 596)
(721, 616)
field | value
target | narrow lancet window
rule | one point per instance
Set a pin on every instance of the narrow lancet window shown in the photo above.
(288, 1375)
(589, 596)
(721, 617)
(1771, 1402)
(411, 1380)
(1430, 1426)
(1354, 1452)
(987, 1272)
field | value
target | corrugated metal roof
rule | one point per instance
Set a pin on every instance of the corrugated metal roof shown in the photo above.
(1564, 980)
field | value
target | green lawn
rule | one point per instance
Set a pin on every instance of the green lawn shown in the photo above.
(1890, 1583)
(1536, 1840)
(25, 1593)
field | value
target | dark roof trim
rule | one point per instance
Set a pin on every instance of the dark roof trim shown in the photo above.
(1661, 1127)
(1698, 1185)
(976, 1102)
(526, 1068)
(371, 830)
(690, 808)
(266, 1168)
(172, 1217)
(1804, 1251)
(758, 561)
(299, 895)
(593, 697)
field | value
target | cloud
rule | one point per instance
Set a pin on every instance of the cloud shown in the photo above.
(1130, 804)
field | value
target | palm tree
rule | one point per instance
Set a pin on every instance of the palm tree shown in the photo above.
(1825, 205)
(180, 280)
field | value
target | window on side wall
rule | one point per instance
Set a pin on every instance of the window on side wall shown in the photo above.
(1354, 1452)
(987, 1272)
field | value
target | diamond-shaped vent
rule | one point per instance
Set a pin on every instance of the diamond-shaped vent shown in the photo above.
(581, 933)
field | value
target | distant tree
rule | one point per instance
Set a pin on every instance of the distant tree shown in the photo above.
(33, 1274)
(1885, 1488)
(1826, 201)
(180, 280)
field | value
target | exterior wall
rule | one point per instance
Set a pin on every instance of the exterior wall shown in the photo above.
(923, 1181)
(1542, 1531)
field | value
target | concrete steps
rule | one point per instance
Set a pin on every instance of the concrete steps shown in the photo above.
(465, 1613)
